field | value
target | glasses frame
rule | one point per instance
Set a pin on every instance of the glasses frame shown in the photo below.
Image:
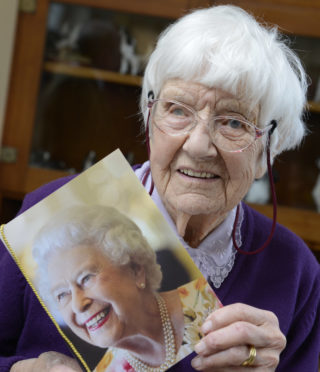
(258, 131)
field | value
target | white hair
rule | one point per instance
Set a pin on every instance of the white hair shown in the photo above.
(225, 47)
(118, 238)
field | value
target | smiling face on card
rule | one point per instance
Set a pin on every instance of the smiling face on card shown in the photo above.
(94, 296)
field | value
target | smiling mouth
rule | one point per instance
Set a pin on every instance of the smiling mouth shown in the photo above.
(202, 175)
(97, 320)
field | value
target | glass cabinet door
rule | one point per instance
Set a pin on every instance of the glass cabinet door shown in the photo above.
(90, 86)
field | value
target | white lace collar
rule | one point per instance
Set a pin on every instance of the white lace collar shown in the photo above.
(216, 254)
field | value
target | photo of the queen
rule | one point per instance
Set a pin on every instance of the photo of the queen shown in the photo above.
(98, 271)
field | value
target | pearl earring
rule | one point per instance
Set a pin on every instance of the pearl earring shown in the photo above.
(142, 285)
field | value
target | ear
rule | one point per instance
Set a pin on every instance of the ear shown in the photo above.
(140, 276)
(261, 168)
(261, 164)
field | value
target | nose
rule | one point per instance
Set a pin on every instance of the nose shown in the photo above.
(198, 143)
(80, 302)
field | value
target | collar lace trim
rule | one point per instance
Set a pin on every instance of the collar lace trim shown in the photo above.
(215, 256)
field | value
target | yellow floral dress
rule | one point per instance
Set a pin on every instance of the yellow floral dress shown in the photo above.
(198, 300)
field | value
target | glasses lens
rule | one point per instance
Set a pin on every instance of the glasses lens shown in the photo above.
(172, 117)
(227, 132)
(232, 134)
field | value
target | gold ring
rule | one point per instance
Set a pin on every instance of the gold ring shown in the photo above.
(252, 356)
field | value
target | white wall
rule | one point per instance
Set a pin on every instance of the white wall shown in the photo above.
(8, 17)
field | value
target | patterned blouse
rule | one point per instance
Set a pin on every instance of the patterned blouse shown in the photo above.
(198, 300)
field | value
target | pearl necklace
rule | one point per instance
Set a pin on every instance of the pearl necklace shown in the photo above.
(169, 343)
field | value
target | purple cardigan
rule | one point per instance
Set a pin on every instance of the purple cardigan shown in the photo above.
(284, 278)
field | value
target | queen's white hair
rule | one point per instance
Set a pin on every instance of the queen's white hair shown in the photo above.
(105, 228)
(225, 47)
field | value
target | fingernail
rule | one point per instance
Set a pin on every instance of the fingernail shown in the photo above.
(206, 326)
(196, 362)
(199, 347)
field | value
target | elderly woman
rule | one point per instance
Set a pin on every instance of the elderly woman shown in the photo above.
(96, 268)
(222, 96)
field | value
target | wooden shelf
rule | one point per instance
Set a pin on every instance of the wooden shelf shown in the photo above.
(304, 223)
(37, 177)
(92, 73)
(314, 106)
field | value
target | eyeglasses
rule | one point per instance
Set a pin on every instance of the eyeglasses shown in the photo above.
(231, 133)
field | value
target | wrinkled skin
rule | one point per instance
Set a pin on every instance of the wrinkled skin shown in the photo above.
(197, 204)
(47, 362)
(228, 332)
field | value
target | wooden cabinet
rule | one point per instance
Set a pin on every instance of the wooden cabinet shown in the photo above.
(94, 106)
(33, 75)
(304, 223)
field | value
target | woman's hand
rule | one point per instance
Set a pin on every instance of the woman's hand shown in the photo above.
(50, 361)
(229, 333)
